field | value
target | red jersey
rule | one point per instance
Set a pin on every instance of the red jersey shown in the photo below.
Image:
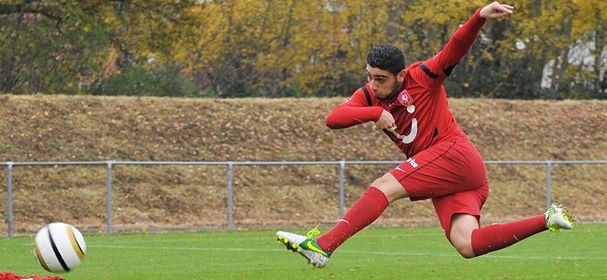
(420, 110)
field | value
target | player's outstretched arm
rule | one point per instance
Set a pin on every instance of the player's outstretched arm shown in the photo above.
(465, 36)
(439, 67)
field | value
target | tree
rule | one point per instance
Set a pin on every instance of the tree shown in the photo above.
(272, 48)
(50, 47)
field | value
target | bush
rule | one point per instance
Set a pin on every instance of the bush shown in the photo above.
(138, 81)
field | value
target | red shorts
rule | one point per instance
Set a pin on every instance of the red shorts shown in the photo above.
(452, 173)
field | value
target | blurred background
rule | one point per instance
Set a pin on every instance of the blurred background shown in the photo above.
(292, 48)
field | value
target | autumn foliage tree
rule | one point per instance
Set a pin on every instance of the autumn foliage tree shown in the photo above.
(274, 48)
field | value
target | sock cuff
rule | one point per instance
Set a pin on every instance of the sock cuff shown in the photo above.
(476, 247)
(378, 196)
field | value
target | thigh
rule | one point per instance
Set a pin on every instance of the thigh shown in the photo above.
(468, 202)
(391, 188)
(445, 168)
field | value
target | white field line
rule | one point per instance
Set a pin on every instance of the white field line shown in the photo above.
(271, 237)
(177, 248)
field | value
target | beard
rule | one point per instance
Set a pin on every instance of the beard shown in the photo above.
(393, 93)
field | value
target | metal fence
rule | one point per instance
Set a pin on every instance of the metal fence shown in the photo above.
(230, 171)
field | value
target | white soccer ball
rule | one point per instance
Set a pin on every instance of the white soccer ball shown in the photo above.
(59, 247)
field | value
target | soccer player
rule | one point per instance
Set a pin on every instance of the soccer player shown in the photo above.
(410, 105)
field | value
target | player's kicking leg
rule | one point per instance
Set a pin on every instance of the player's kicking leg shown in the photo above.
(364, 211)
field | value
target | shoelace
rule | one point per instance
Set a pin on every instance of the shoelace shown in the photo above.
(313, 232)
(568, 216)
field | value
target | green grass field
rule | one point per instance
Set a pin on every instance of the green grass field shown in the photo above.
(375, 253)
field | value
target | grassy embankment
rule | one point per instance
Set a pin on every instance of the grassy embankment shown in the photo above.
(61, 128)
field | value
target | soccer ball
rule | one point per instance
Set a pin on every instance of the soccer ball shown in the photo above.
(59, 247)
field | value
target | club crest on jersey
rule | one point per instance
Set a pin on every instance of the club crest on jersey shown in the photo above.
(404, 98)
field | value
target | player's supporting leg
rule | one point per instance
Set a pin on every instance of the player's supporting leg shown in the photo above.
(472, 241)
(365, 210)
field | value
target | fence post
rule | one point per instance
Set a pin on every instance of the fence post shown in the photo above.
(108, 213)
(548, 184)
(230, 179)
(342, 199)
(9, 194)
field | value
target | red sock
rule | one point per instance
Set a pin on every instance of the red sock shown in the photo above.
(495, 237)
(364, 211)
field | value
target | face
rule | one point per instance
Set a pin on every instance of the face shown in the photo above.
(383, 83)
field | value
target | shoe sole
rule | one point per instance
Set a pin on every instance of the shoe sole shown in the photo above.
(294, 248)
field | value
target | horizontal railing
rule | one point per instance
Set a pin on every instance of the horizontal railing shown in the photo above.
(230, 171)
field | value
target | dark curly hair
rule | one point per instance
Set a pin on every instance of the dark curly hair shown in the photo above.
(387, 57)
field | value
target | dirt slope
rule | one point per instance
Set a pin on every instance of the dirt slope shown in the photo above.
(70, 128)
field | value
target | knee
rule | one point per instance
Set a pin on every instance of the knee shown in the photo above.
(461, 234)
(391, 188)
(465, 249)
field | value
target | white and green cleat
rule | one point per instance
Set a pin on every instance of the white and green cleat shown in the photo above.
(558, 217)
(305, 246)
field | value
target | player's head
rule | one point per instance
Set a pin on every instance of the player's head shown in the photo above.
(387, 57)
(385, 70)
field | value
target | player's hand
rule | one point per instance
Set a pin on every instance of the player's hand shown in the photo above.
(496, 10)
(386, 120)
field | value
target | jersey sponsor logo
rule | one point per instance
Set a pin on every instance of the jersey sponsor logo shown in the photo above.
(404, 99)
(407, 139)
(412, 162)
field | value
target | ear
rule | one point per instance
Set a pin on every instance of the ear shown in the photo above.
(400, 76)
